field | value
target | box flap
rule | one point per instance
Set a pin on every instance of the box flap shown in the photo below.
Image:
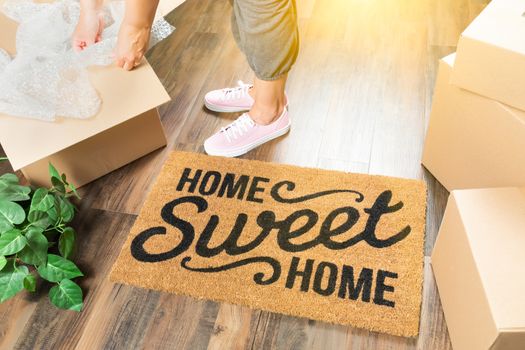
(124, 96)
(510, 339)
(467, 312)
(502, 24)
(449, 60)
(494, 220)
(166, 6)
(518, 114)
(7, 30)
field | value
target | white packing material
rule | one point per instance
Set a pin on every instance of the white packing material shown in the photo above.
(47, 78)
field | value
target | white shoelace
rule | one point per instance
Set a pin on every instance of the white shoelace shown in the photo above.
(238, 127)
(237, 92)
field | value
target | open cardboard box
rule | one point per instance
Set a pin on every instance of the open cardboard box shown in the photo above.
(126, 128)
(491, 54)
(473, 141)
(166, 6)
(478, 264)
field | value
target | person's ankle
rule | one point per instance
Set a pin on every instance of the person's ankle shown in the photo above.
(251, 92)
(267, 115)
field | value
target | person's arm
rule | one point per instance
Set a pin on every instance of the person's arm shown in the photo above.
(134, 32)
(91, 5)
(140, 12)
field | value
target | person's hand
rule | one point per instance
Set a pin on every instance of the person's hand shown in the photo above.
(132, 44)
(89, 29)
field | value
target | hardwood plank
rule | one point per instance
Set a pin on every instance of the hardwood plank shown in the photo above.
(447, 19)
(120, 319)
(276, 331)
(234, 328)
(14, 317)
(433, 328)
(363, 61)
(182, 323)
(436, 203)
(342, 165)
(399, 132)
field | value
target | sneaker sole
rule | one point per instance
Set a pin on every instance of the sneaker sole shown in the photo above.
(224, 109)
(248, 148)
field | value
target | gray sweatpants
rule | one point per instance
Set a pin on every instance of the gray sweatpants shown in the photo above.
(266, 32)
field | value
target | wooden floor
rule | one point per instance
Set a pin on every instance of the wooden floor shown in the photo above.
(360, 97)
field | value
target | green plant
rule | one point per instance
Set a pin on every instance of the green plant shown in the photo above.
(35, 239)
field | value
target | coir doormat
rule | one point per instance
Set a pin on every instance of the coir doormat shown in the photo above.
(326, 245)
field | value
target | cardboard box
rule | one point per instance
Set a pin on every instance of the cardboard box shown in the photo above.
(478, 264)
(491, 54)
(166, 6)
(126, 128)
(473, 141)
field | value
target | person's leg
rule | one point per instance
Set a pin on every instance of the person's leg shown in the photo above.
(266, 31)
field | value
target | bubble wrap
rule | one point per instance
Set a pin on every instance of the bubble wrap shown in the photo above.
(47, 78)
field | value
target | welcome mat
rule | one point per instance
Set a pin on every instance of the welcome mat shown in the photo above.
(326, 245)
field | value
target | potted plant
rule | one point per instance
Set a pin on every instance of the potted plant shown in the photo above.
(36, 239)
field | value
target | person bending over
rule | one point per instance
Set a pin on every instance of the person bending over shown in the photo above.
(266, 31)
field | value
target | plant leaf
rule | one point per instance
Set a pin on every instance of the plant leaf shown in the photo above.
(58, 268)
(11, 214)
(10, 190)
(53, 172)
(3, 262)
(2, 159)
(58, 185)
(42, 200)
(67, 210)
(7, 180)
(39, 219)
(30, 283)
(38, 196)
(74, 190)
(66, 242)
(14, 192)
(35, 252)
(11, 242)
(67, 295)
(11, 280)
(62, 208)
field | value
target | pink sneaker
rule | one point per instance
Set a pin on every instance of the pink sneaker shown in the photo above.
(230, 100)
(244, 134)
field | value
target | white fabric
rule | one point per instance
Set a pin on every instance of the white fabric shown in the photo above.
(47, 78)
